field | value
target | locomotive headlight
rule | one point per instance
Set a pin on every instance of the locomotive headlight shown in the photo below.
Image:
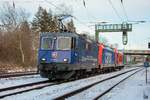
(43, 59)
(65, 60)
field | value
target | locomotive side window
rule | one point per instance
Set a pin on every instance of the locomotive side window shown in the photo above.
(64, 43)
(88, 46)
(73, 43)
(47, 43)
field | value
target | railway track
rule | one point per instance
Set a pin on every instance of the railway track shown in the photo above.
(108, 90)
(9, 91)
(78, 91)
(17, 74)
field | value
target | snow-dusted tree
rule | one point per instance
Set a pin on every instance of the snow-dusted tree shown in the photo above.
(44, 21)
(11, 17)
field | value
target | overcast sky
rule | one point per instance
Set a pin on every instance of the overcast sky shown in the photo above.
(99, 11)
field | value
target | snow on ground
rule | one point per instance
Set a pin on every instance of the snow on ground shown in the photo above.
(51, 92)
(96, 90)
(134, 88)
(13, 81)
(132, 65)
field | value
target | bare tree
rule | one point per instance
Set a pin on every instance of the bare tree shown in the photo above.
(25, 43)
(17, 40)
(11, 17)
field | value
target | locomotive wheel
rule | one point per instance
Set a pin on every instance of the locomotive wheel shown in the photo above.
(43, 73)
(51, 76)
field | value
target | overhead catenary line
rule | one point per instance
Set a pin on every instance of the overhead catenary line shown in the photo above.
(83, 23)
(88, 13)
(13, 4)
(53, 5)
(115, 10)
(84, 3)
(124, 10)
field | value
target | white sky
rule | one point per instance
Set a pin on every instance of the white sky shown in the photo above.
(101, 10)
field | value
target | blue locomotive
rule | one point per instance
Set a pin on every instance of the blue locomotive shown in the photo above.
(61, 55)
(64, 55)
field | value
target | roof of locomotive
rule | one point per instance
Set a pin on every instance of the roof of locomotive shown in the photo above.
(56, 34)
(65, 34)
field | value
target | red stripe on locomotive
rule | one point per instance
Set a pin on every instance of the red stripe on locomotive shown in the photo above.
(120, 58)
(100, 53)
(116, 55)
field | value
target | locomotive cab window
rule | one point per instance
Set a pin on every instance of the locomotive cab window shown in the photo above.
(47, 43)
(64, 43)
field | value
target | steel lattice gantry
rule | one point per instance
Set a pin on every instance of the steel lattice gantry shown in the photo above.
(124, 27)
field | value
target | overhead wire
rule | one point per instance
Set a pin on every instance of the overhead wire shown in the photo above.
(88, 12)
(84, 3)
(53, 5)
(124, 10)
(89, 15)
(13, 4)
(115, 10)
(83, 23)
(85, 6)
(127, 18)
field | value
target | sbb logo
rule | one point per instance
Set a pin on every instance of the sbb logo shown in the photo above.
(54, 54)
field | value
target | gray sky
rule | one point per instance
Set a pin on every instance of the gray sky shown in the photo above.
(101, 10)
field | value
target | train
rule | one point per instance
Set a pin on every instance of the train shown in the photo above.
(64, 55)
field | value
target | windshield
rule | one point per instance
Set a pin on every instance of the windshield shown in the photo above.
(47, 43)
(64, 43)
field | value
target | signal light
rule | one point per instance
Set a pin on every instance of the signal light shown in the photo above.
(149, 45)
(124, 38)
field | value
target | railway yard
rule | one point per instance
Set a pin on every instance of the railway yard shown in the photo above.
(99, 87)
